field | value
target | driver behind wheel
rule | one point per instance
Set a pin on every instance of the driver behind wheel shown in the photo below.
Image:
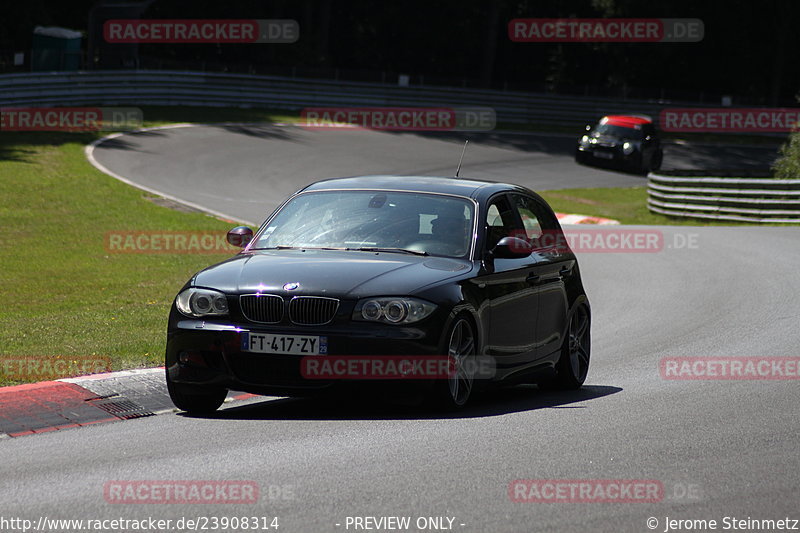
(451, 229)
(397, 227)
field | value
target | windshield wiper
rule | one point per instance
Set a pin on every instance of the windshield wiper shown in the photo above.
(360, 249)
(392, 250)
(279, 247)
(286, 247)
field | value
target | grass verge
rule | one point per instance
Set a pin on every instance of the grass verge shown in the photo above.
(66, 295)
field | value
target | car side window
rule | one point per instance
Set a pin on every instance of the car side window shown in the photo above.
(501, 222)
(530, 221)
(535, 218)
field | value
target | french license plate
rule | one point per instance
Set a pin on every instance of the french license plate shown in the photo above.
(283, 344)
(604, 155)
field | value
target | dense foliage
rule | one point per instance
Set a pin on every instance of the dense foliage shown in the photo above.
(750, 49)
(788, 165)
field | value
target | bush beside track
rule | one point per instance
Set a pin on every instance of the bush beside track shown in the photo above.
(788, 165)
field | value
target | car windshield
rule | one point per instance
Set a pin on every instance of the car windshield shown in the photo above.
(401, 222)
(620, 132)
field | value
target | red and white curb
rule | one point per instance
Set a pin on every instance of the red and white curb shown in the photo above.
(584, 219)
(86, 400)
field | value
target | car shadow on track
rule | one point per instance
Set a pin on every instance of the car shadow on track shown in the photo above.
(491, 403)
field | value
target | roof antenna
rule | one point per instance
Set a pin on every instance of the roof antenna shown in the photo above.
(460, 159)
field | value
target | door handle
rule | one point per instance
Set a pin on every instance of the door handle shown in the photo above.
(532, 278)
(565, 271)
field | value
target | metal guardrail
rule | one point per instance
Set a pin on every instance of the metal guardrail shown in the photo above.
(142, 87)
(740, 199)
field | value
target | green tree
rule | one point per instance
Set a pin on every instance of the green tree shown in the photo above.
(788, 165)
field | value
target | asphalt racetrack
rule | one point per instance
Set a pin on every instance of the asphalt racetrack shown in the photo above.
(246, 170)
(719, 448)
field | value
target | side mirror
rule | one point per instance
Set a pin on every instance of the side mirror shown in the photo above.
(512, 248)
(588, 127)
(240, 236)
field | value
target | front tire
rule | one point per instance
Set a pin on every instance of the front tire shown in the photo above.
(658, 158)
(573, 364)
(195, 399)
(453, 393)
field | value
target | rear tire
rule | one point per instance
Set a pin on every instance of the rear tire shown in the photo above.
(573, 364)
(195, 399)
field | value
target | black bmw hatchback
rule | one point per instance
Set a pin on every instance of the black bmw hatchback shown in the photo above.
(395, 270)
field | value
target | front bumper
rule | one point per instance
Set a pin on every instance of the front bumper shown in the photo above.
(610, 156)
(210, 353)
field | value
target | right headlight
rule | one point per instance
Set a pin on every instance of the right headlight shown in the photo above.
(628, 148)
(584, 142)
(202, 302)
(392, 310)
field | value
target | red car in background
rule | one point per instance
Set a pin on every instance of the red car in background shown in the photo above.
(627, 142)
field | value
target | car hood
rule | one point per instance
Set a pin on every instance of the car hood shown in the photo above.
(339, 274)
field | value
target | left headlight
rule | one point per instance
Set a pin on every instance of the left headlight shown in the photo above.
(202, 302)
(628, 148)
(392, 310)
